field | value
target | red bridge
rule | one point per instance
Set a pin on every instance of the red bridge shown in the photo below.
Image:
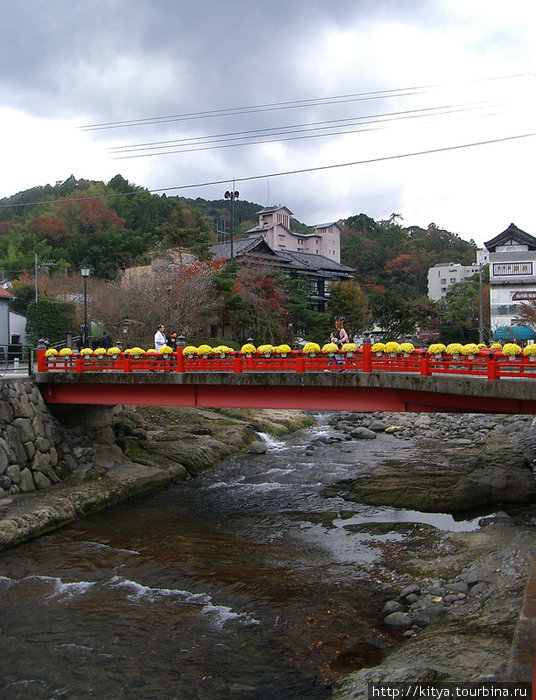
(489, 382)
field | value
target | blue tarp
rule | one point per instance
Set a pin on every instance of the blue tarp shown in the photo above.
(514, 333)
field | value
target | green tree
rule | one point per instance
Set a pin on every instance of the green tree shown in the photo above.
(51, 319)
(348, 302)
(301, 319)
(399, 316)
(458, 312)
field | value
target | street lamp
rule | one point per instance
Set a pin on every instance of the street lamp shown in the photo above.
(84, 271)
(232, 196)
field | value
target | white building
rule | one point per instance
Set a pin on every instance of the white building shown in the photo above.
(442, 275)
(274, 227)
(512, 257)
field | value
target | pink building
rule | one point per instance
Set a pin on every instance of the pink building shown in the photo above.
(274, 227)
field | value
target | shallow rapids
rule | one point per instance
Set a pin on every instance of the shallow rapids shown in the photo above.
(245, 582)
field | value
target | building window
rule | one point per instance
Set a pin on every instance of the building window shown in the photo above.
(444, 281)
(452, 279)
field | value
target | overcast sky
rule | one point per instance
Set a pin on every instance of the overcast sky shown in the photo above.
(284, 86)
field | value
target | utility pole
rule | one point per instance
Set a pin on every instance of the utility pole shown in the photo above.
(232, 196)
(480, 307)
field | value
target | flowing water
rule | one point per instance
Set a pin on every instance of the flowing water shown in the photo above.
(242, 583)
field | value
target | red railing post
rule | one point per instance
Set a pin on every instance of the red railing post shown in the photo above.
(237, 363)
(367, 357)
(493, 366)
(425, 367)
(41, 361)
(180, 360)
(300, 363)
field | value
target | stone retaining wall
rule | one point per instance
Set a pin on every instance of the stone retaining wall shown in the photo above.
(34, 450)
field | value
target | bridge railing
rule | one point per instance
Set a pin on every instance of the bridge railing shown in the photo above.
(489, 364)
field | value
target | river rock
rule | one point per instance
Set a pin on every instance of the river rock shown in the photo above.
(390, 607)
(398, 619)
(257, 447)
(363, 434)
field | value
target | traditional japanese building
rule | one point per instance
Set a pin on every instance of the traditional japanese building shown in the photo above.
(512, 257)
(320, 270)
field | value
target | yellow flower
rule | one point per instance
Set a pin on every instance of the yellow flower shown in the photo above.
(65, 352)
(495, 346)
(311, 348)
(349, 347)
(86, 352)
(114, 351)
(189, 350)
(407, 348)
(136, 351)
(51, 352)
(454, 349)
(329, 348)
(436, 349)
(378, 347)
(165, 350)
(283, 349)
(265, 349)
(204, 350)
(530, 350)
(511, 349)
(222, 350)
(248, 349)
(99, 351)
(392, 347)
(470, 349)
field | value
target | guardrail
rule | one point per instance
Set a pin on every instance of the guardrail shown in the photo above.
(488, 364)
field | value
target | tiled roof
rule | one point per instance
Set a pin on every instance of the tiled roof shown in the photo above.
(514, 232)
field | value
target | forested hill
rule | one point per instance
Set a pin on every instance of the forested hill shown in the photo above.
(117, 224)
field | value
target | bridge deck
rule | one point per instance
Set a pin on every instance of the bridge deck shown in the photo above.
(351, 391)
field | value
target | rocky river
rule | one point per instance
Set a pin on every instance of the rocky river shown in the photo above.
(363, 548)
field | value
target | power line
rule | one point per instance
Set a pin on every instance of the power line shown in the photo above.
(299, 171)
(291, 104)
(339, 124)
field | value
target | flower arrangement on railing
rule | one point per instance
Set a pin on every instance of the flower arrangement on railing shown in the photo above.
(495, 346)
(470, 350)
(222, 351)
(204, 350)
(482, 346)
(86, 352)
(248, 349)
(378, 348)
(134, 352)
(189, 351)
(392, 348)
(407, 348)
(512, 350)
(349, 349)
(51, 352)
(437, 349)
(311, 349)
(283, 350)
(265, 349)
(165, 350)
(454, 349)
(330, 349)
(65, 352)
(530, 352)
(100, 352)
(114, 351)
